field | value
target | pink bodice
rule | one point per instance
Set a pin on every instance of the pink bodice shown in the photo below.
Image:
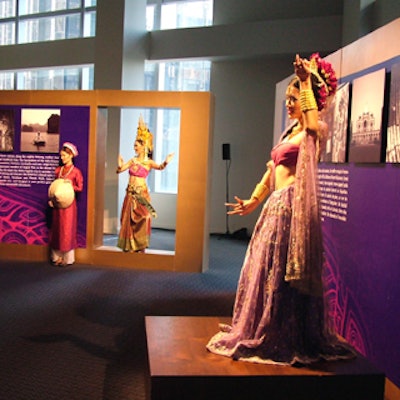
(138, 170)
(285, 153)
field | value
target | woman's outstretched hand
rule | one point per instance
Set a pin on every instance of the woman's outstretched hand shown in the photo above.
(242, 207)
(169, 157)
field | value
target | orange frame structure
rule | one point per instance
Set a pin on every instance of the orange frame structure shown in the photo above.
(192, 236)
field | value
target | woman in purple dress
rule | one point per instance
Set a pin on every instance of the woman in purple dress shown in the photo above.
(65, 212)
(279, 315)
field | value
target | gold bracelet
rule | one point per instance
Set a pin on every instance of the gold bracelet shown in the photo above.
(307, 100)
(259, 192)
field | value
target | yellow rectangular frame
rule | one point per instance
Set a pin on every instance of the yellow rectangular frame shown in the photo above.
(192, 225)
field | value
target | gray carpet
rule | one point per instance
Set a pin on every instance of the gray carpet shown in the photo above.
(78, 333)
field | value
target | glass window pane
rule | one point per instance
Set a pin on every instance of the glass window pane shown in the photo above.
(7, 8)
(87, 82)
(49, 28)
(166, 142)
(71, 4)
(27, 7)
(89, 25)
(71, 79)
(164, 124)
(6, 81)
(178, 75)
(55, 20)
(150, 10)
(55, 79)
(7, 33)
(184, 14)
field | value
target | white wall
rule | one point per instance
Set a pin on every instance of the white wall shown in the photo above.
(244, 113)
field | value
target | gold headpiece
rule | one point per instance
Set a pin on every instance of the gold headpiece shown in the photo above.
(144, 135)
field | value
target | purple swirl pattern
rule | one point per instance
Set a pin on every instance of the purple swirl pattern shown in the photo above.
(342, 305)
(22, 217)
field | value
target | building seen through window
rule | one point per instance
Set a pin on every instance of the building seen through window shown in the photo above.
(29, 21)
(79, 77)
(175, 14)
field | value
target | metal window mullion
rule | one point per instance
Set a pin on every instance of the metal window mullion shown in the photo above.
(64, 78)
(82, 10)
(59, 13)
(157, 15)
(80, 78)
(16, 27)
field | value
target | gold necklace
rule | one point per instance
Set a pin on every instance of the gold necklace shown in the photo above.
(295, 130)
(60, 175)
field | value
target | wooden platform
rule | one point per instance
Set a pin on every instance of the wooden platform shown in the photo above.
(180, 367)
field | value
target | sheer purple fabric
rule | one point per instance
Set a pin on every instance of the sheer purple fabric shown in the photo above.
(305, 253)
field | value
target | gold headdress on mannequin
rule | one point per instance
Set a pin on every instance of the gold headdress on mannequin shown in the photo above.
(145, 136)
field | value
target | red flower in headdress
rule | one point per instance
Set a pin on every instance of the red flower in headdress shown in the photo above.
(326, 76)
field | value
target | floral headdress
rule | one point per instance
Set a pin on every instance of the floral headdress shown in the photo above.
(326, 77)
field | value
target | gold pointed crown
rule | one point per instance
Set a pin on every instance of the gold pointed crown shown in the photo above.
(144, 135)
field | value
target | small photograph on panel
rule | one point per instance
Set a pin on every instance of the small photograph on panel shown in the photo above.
(340, 123)
(40, 130)
(366, 118)
(393, 130)
(7, 130)
(336, 117)
(327, 116)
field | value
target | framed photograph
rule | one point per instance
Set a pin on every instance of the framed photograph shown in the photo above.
(336, 117)
(366, 118)
(393, 129)
(326, 116)
(40, 130)
(340, 123)
(7, 130)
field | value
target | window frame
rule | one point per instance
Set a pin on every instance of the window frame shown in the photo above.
(84, 72)
(17, 19)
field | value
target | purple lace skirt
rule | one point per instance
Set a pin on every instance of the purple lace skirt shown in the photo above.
(273, 322)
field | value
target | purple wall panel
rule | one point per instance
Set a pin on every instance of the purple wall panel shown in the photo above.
(24, 213)
(363, 264)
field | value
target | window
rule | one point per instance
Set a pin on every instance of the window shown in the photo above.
(173, 76)
(173, 14)
(164, 124)
(29, 21)
(60, 78)
(7, 81)
(178, 75)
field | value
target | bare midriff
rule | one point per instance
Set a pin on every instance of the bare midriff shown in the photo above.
(284, 176)
(137, 181)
